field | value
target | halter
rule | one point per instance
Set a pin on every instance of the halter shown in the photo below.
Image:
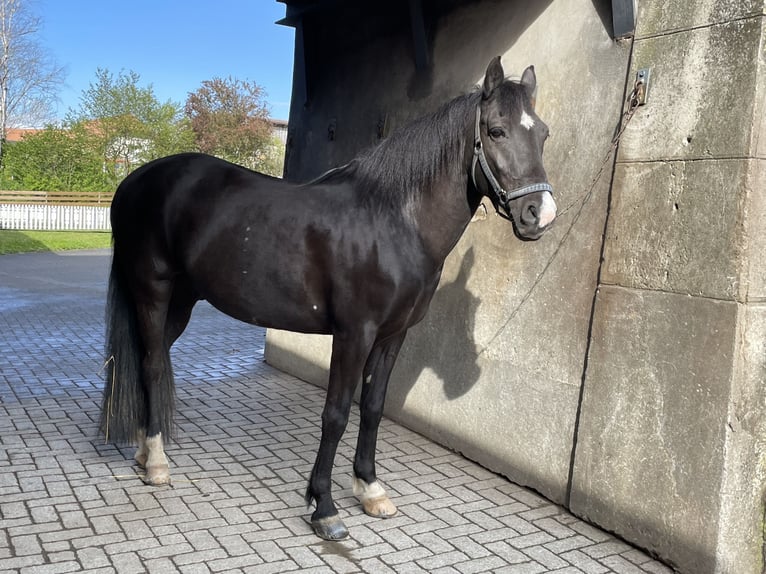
(503, 197)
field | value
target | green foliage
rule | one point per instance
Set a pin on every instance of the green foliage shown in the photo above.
(129, 125)
(271, 159)
(120, 125)
(54, 159)
(229, 118)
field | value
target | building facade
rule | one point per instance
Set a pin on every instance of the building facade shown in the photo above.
(616, 365)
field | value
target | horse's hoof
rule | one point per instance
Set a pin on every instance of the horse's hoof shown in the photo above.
(380, 507)
(140, 460)
(373, 497)
(330, 528)
(157, 475)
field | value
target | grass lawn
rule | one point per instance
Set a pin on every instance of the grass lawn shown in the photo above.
(25, 241)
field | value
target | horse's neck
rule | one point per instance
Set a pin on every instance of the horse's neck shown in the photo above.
(444, 212)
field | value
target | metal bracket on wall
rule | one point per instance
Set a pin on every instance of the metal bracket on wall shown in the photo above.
(641, 88)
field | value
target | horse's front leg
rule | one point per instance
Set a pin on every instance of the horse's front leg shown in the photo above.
(367, 488)
(349, 353)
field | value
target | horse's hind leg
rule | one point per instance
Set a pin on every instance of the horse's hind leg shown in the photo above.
(377, 372)
(152, 301)
(179, 312)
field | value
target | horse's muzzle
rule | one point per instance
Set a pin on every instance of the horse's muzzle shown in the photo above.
(534, 215)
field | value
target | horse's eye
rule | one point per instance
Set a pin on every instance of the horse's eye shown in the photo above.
(496, 133)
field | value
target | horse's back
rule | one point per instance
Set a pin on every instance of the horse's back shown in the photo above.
(171, 181)
(171, 197)
(233, 235)
(268, 252)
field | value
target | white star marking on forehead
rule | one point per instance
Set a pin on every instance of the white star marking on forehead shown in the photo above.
(527, 121)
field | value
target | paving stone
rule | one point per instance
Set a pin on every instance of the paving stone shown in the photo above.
(57, 568)
(584, 562)
(304, 557)
(246, 444)
(525, 568)
(530, 540)
(161, 566)
(433, 563)
(545, 557)
(566, 544)
(199, 557)
(621, 565)
(272, 568)
(475, 565)
(469, 547)
(375, 566)
(93, 558)
(507, 552)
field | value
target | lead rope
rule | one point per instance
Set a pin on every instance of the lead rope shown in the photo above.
(633, 104)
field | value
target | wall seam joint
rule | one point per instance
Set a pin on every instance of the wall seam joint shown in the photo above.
(666, 33)
(589, 336)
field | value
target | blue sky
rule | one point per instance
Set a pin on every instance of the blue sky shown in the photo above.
(174, 45)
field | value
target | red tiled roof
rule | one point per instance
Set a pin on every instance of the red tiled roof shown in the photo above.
(16, 134)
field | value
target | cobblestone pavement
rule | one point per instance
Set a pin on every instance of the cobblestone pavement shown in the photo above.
(246, 442)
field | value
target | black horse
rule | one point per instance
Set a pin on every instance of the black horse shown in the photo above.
(356, 253)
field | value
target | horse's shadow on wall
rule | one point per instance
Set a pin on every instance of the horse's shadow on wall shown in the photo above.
(442, 343)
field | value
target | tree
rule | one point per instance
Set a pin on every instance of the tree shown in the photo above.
(271, 159)
(29, 77)
(229, 118)
(54, 159)
(129, 125)
(118, 126)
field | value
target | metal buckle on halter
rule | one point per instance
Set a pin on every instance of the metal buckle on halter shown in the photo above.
(503, 197)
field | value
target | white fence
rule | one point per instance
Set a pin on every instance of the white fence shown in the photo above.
(23, 216)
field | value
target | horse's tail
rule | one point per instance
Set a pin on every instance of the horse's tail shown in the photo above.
(124, 408)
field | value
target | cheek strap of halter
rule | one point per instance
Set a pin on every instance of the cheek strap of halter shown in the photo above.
(503, 197)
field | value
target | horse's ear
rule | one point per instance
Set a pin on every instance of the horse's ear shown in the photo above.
(529, 81)
(493, 77)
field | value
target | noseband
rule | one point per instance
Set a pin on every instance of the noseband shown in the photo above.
(502, 196)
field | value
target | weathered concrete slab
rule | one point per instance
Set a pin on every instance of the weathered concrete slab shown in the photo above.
(674, 222)
(697, 109)
(651, 443)
(677, 357)
(743, 490)
(487, 361)
(657, 17)
(753, 263)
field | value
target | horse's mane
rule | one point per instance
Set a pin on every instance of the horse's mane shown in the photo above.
(396, 170)
(413, 156)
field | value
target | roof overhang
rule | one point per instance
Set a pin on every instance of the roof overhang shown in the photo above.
(623, 13)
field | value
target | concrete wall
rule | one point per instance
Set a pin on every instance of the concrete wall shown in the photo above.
(671, 449)
(658, 434)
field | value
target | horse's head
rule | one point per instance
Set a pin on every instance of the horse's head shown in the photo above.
(508, 151)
